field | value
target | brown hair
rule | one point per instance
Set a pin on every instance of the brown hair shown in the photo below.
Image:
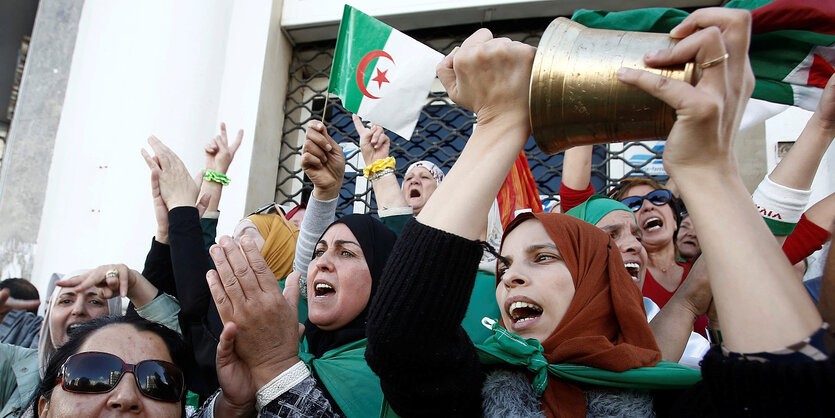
(619, 192)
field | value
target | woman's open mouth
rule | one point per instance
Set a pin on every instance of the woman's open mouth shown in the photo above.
(633, 269)
(653, 224)
(523, 314)
(323, 290)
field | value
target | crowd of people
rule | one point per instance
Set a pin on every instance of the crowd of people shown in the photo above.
(431, 308)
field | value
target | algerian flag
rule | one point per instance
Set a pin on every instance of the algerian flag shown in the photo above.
(381, 74)
(792, 47)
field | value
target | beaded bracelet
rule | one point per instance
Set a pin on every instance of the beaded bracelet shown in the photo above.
(380, 174)
(216, 177)
(379, 165)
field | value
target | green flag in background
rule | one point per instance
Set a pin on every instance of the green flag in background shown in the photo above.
(381, 74)
(792, 47)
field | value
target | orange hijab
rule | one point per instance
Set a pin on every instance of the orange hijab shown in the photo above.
(280, 237)
(605, 325)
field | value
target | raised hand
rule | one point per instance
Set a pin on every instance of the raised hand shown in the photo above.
(219, 152)
(8, 303)
(114, 280)
(176, 186)
(235, 377)
(501, 92)
(491, 77)
(699, 156)
(713, 107)
(323, 161)
(160, 209)
(374, 143)
(825, 113)
(247, 294)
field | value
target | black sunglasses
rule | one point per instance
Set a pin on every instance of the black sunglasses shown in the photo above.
(95, 372)
(267, 209)
(657, 197)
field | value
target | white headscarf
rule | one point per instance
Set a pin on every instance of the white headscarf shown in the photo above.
(436, 172)
(46, 346)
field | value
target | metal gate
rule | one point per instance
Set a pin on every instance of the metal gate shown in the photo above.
(440, 134)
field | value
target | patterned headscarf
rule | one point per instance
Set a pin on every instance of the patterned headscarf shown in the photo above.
(437, 174)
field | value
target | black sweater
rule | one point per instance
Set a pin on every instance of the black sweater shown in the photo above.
(426, 362)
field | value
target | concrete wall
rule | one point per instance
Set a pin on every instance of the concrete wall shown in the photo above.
(172, 69)
(29, 150)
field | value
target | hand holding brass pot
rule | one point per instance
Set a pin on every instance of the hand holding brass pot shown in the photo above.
(576, 98)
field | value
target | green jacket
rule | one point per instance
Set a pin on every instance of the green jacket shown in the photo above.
(18, 378)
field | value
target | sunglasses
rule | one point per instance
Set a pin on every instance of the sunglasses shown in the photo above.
(267, 209)
(657, 198)
(95, 372)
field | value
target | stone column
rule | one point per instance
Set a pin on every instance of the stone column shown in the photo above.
(31, 140)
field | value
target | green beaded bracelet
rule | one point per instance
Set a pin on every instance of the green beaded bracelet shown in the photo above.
(216, 177)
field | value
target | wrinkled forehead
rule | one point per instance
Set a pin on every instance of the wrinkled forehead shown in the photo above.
(127, 343)
(63, 293)
(430, 167)
(418, 170)
(619, 218)
(341, 233)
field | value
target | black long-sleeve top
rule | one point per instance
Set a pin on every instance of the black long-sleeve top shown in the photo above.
(199, 318)
(426, 362)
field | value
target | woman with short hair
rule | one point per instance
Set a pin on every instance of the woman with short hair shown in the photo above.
(115, 364)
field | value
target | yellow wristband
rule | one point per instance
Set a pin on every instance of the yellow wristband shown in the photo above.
(379, 165)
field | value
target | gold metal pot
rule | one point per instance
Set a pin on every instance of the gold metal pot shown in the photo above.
(576, 98)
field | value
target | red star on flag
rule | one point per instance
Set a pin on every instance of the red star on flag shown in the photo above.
(380, 78)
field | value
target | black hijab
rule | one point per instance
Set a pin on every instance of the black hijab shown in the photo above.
(376, 241)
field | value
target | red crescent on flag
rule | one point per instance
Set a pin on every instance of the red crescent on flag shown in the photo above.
(361, 70)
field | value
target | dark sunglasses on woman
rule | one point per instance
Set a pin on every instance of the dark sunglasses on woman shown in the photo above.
(656, 197)
(95, 372)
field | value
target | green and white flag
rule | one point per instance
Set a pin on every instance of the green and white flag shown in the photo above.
(381, 74)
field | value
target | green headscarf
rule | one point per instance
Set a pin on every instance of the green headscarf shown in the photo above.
(595, 208)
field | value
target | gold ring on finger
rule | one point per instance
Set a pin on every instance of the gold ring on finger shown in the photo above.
(112, 273)
(713, 62)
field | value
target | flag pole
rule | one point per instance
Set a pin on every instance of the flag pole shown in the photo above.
(325, 109)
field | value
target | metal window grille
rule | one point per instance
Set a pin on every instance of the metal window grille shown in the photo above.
(441, 132)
